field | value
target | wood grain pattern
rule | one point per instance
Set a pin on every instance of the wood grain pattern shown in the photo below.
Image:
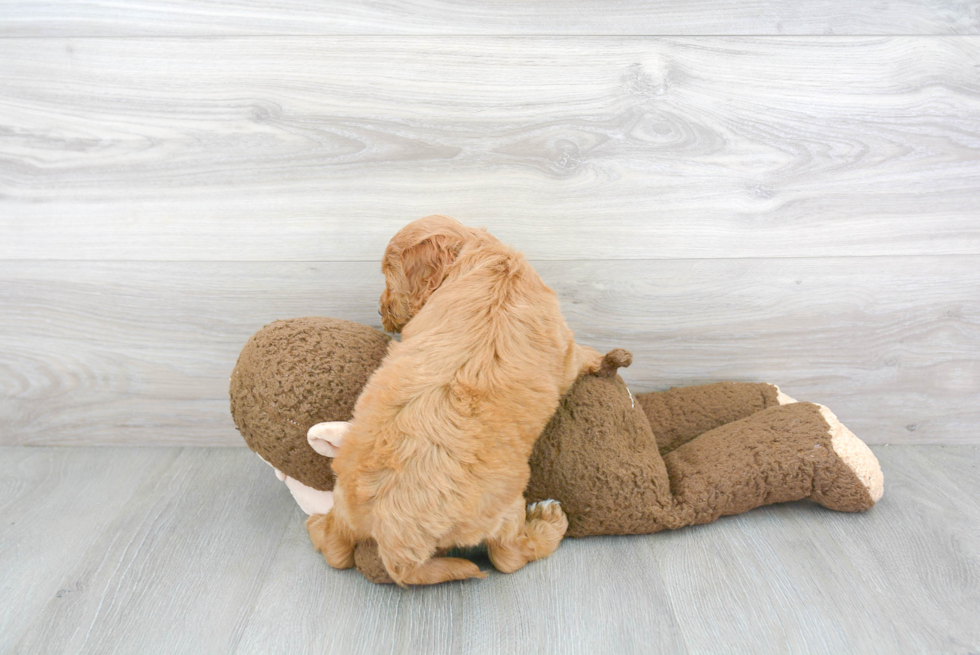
(582, 17)
(140, 352)
(563, 605)
(54, 505)
(318, 149)
(180, 564)
(104, 353)
(885, 587)
(209, 554)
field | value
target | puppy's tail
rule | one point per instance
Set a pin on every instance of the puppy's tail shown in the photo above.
(406, 565)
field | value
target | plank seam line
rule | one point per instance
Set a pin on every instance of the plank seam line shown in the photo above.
(488, 36)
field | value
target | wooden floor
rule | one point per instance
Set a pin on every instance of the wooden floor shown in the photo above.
(201, 550)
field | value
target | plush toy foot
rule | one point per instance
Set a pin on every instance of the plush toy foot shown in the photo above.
(325, 438)
(783, 453)
(865, 482)
(546, 524)
(369, 563)
(856, 456)
(781, 398)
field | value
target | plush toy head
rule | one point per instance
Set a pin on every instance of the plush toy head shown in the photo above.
(294, 374)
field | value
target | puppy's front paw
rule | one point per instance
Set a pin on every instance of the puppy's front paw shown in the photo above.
(548, 511)
(546, 525)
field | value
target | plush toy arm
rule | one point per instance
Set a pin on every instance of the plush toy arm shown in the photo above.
(683, 413)
(325, 439)
(310, 500)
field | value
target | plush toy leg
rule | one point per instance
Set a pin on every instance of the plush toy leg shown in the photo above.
(369, 562)
(783, 453)
(682, 413)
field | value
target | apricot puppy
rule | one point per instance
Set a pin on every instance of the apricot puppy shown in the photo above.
(437, 452)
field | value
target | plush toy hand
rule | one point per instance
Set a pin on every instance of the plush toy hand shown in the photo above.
(325, 438)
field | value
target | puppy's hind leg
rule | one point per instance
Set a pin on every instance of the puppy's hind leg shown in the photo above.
(333, 538)
(527, 535)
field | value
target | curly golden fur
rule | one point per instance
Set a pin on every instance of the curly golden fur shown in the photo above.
(437, 452)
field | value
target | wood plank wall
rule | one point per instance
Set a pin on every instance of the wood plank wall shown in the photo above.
(764, 190)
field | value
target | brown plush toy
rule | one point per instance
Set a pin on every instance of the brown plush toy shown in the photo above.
(618, 463)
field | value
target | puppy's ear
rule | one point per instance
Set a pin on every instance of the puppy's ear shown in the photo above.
(425, 265)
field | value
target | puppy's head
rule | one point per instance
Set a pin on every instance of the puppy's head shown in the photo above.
(415, 263)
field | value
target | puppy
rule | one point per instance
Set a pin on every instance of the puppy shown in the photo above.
(437, 452)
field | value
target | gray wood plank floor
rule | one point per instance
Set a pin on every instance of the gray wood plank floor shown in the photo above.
(167, 550)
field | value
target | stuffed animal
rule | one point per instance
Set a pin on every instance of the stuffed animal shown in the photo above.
(618, 463)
